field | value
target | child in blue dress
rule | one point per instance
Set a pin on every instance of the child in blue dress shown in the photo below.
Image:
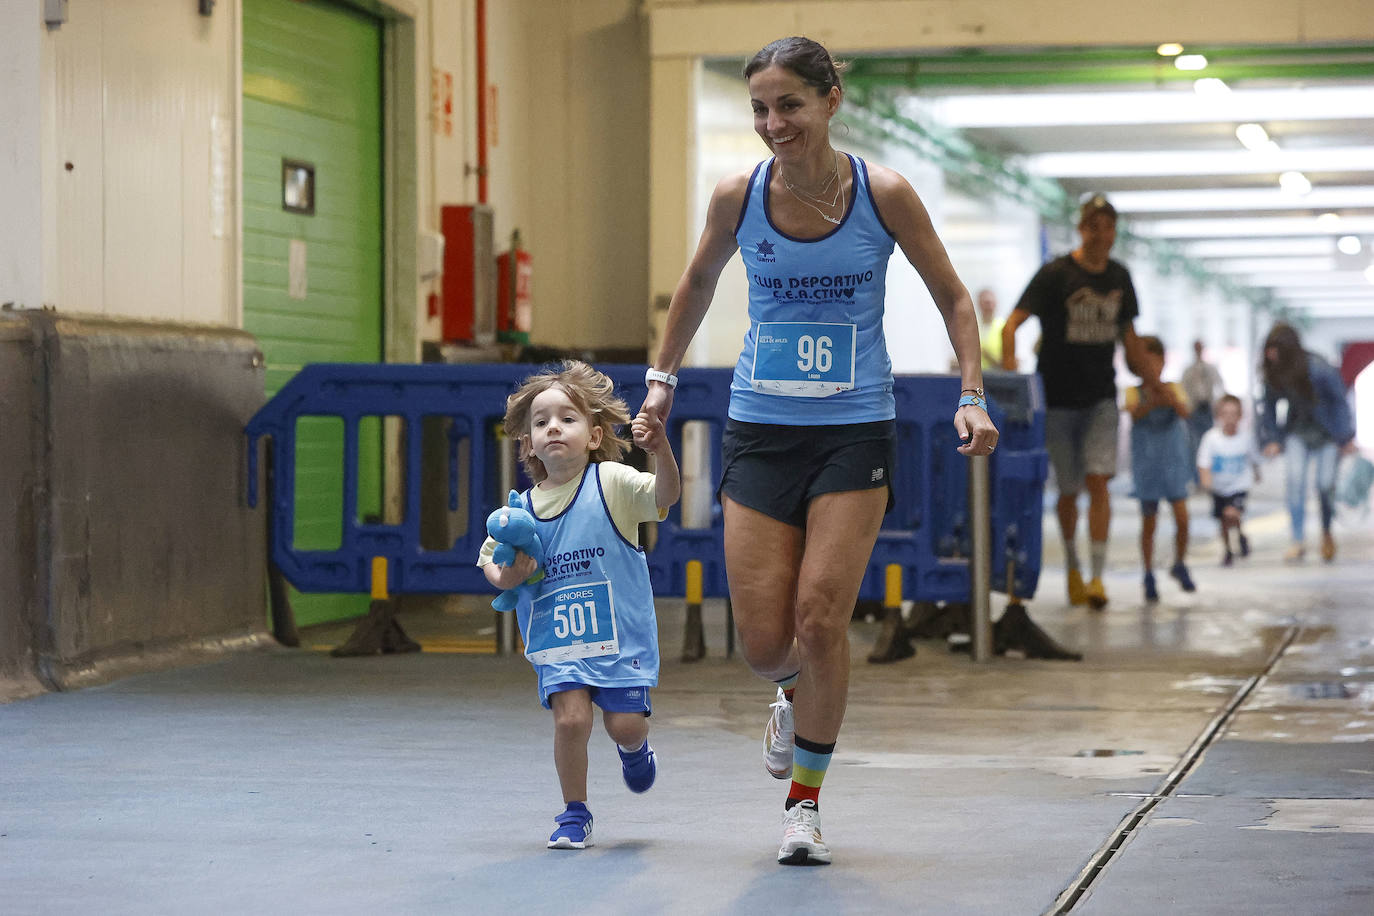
(588, 626)
(1161, 460)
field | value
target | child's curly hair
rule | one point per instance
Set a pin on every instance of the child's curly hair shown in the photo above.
(591, 392)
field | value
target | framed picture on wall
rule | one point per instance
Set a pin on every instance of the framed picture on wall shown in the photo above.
(298, 186)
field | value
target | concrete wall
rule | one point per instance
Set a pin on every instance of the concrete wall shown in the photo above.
(131, 546)
(570, 162)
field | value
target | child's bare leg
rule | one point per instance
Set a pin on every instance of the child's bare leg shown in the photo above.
(572, 726)
(627, 729)
(1147, 542)
(1180, 530)
(1232, 515)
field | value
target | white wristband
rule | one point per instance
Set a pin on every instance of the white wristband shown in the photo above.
(653, 375)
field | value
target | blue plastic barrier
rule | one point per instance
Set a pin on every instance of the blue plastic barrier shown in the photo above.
(927, 533)
(473, 399)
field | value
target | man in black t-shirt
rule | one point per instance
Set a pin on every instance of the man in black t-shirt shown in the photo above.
(1086, 303)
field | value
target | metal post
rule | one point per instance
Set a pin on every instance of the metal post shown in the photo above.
(980, 573)
(505, 459)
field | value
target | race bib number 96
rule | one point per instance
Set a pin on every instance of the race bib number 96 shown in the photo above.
(573, 622)
(803, 358)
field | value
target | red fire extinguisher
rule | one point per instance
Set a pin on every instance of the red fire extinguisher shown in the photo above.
(513, 273)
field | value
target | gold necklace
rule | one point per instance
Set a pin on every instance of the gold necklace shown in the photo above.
(812, 200)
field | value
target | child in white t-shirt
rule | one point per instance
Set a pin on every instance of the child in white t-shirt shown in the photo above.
(1228, 466)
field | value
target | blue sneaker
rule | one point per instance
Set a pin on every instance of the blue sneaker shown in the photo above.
(1151, 592)
(1185, 581)
(574, 828)
(638, 767)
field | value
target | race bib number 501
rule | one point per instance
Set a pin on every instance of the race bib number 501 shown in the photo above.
(803, 358)
(573, 622)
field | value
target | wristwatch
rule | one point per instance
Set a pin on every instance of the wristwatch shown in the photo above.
(653, 375)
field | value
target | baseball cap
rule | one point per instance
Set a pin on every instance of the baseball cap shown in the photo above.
(1096, 203)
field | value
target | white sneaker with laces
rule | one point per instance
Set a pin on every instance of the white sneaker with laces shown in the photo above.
(801, 836)
(777, 739)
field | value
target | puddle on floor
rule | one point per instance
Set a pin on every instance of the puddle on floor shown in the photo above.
(1119, 765)
(1319, 815)
(1313, 695)
(1207, 683)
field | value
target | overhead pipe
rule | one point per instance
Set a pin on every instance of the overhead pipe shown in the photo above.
(481, 37)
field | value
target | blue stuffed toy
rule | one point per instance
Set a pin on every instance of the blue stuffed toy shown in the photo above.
(512, 527)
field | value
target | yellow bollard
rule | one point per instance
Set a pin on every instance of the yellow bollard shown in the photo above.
(892, 592)
(379, 632)
(379, 591)
(693, 634)
(893, 643)
(694, 582)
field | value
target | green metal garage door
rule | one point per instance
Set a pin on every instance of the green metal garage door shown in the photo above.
(312, 237)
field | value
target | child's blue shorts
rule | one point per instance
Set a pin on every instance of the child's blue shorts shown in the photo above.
(610, 699)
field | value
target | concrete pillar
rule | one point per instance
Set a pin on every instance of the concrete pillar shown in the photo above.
(672, 181)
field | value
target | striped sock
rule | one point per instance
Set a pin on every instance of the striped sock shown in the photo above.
(809, 764)
(789, 685)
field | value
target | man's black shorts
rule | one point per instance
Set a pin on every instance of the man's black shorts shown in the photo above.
(778, 470)
(1219, 503)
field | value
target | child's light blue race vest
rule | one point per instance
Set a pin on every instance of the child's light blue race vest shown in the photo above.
(591, 619)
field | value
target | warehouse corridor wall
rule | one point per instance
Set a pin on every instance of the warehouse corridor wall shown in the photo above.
(126, 542)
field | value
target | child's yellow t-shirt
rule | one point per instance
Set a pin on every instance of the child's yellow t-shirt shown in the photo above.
(629, 496)
(1133, 396)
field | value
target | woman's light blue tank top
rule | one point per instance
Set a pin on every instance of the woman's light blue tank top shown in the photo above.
(815, 354)
(590, 620)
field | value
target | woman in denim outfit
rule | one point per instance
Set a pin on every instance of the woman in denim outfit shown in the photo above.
(1317, 428)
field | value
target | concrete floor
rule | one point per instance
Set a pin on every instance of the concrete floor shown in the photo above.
(289, 781)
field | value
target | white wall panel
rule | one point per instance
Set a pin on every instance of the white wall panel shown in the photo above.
(144, 116)
(78, 269)
(21, 121)
(140, 228)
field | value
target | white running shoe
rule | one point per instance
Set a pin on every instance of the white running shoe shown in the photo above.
(801, 836)
(777, 739)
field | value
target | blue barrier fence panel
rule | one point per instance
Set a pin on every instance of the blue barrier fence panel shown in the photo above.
(927, 533)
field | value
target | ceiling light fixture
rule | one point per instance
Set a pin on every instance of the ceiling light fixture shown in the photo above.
(1210, 87)
(1295, 183)
(1190, 62)
(1329, 220)
(1349, 244)
(1253, 137)
(1169, 49)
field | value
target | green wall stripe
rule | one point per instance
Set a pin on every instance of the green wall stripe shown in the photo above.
(312, 92)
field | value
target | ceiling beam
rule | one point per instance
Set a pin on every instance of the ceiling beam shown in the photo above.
(690, 28)
(1237, 227)
(1196, 163)
(1147, 106)
(1271, 198)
